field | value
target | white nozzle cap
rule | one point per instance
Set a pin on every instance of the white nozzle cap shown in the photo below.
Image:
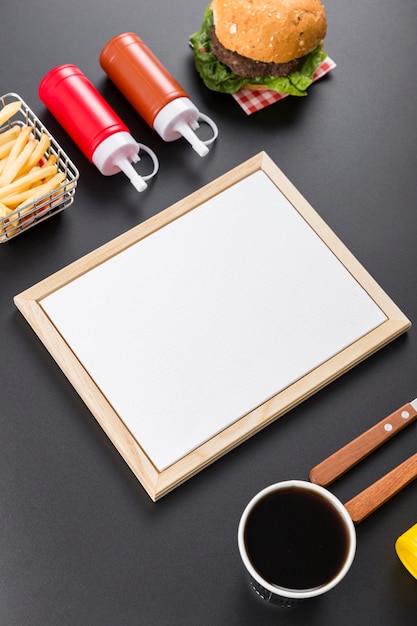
(115, 154)
(188, 133)
(179, 118)
(135, 178)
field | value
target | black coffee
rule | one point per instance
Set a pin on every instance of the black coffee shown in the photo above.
(295, 539)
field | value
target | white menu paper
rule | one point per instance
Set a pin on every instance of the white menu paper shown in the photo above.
(205, 319)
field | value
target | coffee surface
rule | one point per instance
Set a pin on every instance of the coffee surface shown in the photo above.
(296, 539)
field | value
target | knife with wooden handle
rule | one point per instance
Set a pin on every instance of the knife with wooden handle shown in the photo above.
(374, 496)
(347, 457)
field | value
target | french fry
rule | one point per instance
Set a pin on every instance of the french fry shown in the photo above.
(4, 210)
(13, 166)
(52, 160)
(19, 200)
(37, 173)
(13, 201)
(20, 143)
(42, 146)
(42, 190)
(9, 227)
(6, 147)
(13, 218)
(9, 110)
(9, 134)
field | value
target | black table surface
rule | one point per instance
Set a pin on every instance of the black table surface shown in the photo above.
(81, 542)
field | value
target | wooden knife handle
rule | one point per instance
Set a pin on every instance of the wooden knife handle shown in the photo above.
(374, 496)
(347, 457)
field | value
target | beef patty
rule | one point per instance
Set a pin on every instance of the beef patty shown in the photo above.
(249, 68)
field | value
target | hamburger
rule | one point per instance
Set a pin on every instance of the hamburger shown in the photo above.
(260, 44)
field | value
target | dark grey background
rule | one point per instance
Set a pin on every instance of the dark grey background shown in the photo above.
(80, 541)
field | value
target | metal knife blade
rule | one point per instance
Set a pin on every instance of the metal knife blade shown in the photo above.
(349, 455)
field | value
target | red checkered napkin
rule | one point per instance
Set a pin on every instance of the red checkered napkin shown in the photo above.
(252, 100)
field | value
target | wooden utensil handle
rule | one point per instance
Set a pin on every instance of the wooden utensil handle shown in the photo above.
(347, 457)
(374, 496)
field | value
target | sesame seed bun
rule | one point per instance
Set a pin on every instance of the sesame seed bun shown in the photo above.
(270, 31)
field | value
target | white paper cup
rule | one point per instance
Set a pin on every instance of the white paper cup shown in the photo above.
(296, 540)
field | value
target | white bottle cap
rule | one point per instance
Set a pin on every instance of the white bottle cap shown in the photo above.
(115, 154)
(180, 118)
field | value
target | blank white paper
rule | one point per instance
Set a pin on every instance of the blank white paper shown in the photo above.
(204, 320)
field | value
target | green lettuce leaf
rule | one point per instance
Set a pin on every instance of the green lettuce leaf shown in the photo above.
(218, 77)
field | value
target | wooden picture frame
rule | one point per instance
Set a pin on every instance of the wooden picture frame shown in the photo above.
(37, 305)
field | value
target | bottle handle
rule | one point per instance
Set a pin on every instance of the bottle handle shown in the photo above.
(154, 160)
(207, 120)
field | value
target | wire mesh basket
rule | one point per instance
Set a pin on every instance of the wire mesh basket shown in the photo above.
(16, 220)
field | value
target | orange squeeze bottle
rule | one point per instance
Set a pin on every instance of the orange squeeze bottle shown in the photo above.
(152, 91)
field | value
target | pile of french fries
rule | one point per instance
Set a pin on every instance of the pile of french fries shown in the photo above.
(26, 172)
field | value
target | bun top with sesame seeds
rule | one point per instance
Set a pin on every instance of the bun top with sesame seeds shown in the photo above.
(270, 31)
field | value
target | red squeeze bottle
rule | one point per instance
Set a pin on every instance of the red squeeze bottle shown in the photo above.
(152, 91)
(90, 121)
